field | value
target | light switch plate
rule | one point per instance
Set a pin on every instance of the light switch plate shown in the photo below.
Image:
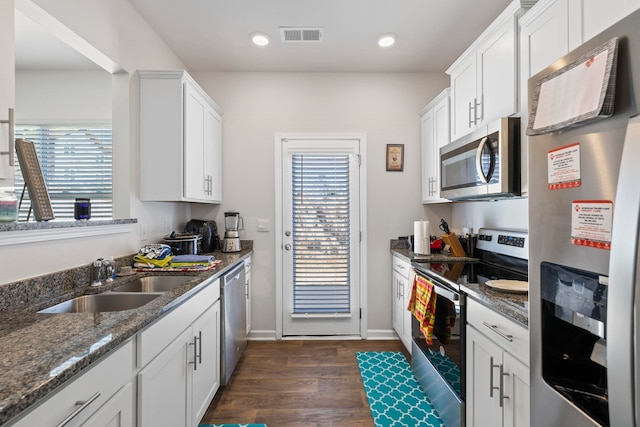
(263, 224)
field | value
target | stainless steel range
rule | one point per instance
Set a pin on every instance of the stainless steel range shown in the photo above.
(438, 361)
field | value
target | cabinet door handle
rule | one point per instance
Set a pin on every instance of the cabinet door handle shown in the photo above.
(491, 386)
(195, 353)
(200, 347)
(495, 329)
(481, 105)
(472, 107)
(502, 395)
(81, 407)
(12, 150)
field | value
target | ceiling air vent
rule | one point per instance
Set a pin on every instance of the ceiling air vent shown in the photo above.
(301, 34)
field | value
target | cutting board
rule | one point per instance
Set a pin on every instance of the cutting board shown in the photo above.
(515, 286)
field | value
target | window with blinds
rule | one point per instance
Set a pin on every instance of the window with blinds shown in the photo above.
(321, 234)
(76, 161)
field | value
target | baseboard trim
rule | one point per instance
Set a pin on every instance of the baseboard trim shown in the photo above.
(372, 334)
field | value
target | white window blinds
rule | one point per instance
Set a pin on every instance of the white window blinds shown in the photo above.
(76, 161)
(321, 233)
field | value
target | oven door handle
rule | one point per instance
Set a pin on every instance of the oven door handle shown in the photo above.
(445, 293)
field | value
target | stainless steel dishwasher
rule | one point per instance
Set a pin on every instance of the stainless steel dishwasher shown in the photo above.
(234, 320)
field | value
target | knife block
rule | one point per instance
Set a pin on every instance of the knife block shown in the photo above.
(454, 244)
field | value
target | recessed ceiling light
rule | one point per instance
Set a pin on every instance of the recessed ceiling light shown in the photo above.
(260, 39)
(387, 40)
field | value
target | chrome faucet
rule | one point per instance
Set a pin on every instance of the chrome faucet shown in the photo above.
(102, 270)
(98, 272)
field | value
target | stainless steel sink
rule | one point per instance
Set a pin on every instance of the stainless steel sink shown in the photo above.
(153, 284)
(101, 303)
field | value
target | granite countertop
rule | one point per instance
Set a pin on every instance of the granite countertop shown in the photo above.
(40, 352)
(511, 305)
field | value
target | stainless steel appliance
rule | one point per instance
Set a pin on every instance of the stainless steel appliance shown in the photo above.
(231, 241)
(584, 202)
(234, 320)
(439, 366)
(484, 164)
(184, 243)
(208, 229)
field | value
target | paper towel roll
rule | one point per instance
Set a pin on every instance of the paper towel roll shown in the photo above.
(421, 239)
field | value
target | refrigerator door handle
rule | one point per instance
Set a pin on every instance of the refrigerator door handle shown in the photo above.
(623, 285)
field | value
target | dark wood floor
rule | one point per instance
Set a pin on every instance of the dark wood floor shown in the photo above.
(298, 383)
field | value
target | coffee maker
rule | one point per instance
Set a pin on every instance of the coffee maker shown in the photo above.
(231, 241)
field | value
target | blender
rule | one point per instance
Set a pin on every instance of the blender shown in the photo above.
(231, 241)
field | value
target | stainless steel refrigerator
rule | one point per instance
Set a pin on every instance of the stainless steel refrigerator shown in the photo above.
(584, 215)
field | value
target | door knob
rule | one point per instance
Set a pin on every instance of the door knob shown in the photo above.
(287, 247)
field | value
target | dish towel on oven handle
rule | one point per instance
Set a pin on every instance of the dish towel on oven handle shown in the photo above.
(422, 304)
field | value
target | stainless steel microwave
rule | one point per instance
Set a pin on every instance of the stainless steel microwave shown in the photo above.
(484, 164)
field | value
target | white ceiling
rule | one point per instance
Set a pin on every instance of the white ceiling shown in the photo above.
(213, 35)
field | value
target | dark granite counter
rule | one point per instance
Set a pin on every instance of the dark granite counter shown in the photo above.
(512, 305)
(40, 352)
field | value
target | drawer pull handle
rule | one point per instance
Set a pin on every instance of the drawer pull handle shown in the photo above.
(82, 406)
(495, 329)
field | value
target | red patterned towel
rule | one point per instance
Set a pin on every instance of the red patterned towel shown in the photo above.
(423, 306)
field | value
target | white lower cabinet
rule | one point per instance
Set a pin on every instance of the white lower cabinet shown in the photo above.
(117, 412)
(100, 397)
(401, 295)
(497, 377)
(163, 386)
(178, 383)
(206, 367)
(247, 278)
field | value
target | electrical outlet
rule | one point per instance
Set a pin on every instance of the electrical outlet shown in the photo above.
(263, 224)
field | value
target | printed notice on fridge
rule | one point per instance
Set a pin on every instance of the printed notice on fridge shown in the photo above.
(591, 222)
(563, 167)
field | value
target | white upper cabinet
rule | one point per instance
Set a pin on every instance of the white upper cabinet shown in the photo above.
(435, 135)
(484, 80)
(180, 140)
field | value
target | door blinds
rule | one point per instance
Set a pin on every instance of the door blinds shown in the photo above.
(321, 218)
(75, 162)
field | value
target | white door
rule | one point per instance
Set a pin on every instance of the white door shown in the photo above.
(320, 225)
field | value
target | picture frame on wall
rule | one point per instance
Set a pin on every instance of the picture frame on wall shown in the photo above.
(395, 157)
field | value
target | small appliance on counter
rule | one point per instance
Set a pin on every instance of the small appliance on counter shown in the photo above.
(184, 243)
(231, 241)
(208, 229)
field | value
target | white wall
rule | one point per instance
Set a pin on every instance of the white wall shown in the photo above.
(54, 95)
(383, 106)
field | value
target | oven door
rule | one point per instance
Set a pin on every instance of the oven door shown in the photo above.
(438, 364)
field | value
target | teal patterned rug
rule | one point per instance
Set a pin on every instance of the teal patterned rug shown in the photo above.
(395, 397)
